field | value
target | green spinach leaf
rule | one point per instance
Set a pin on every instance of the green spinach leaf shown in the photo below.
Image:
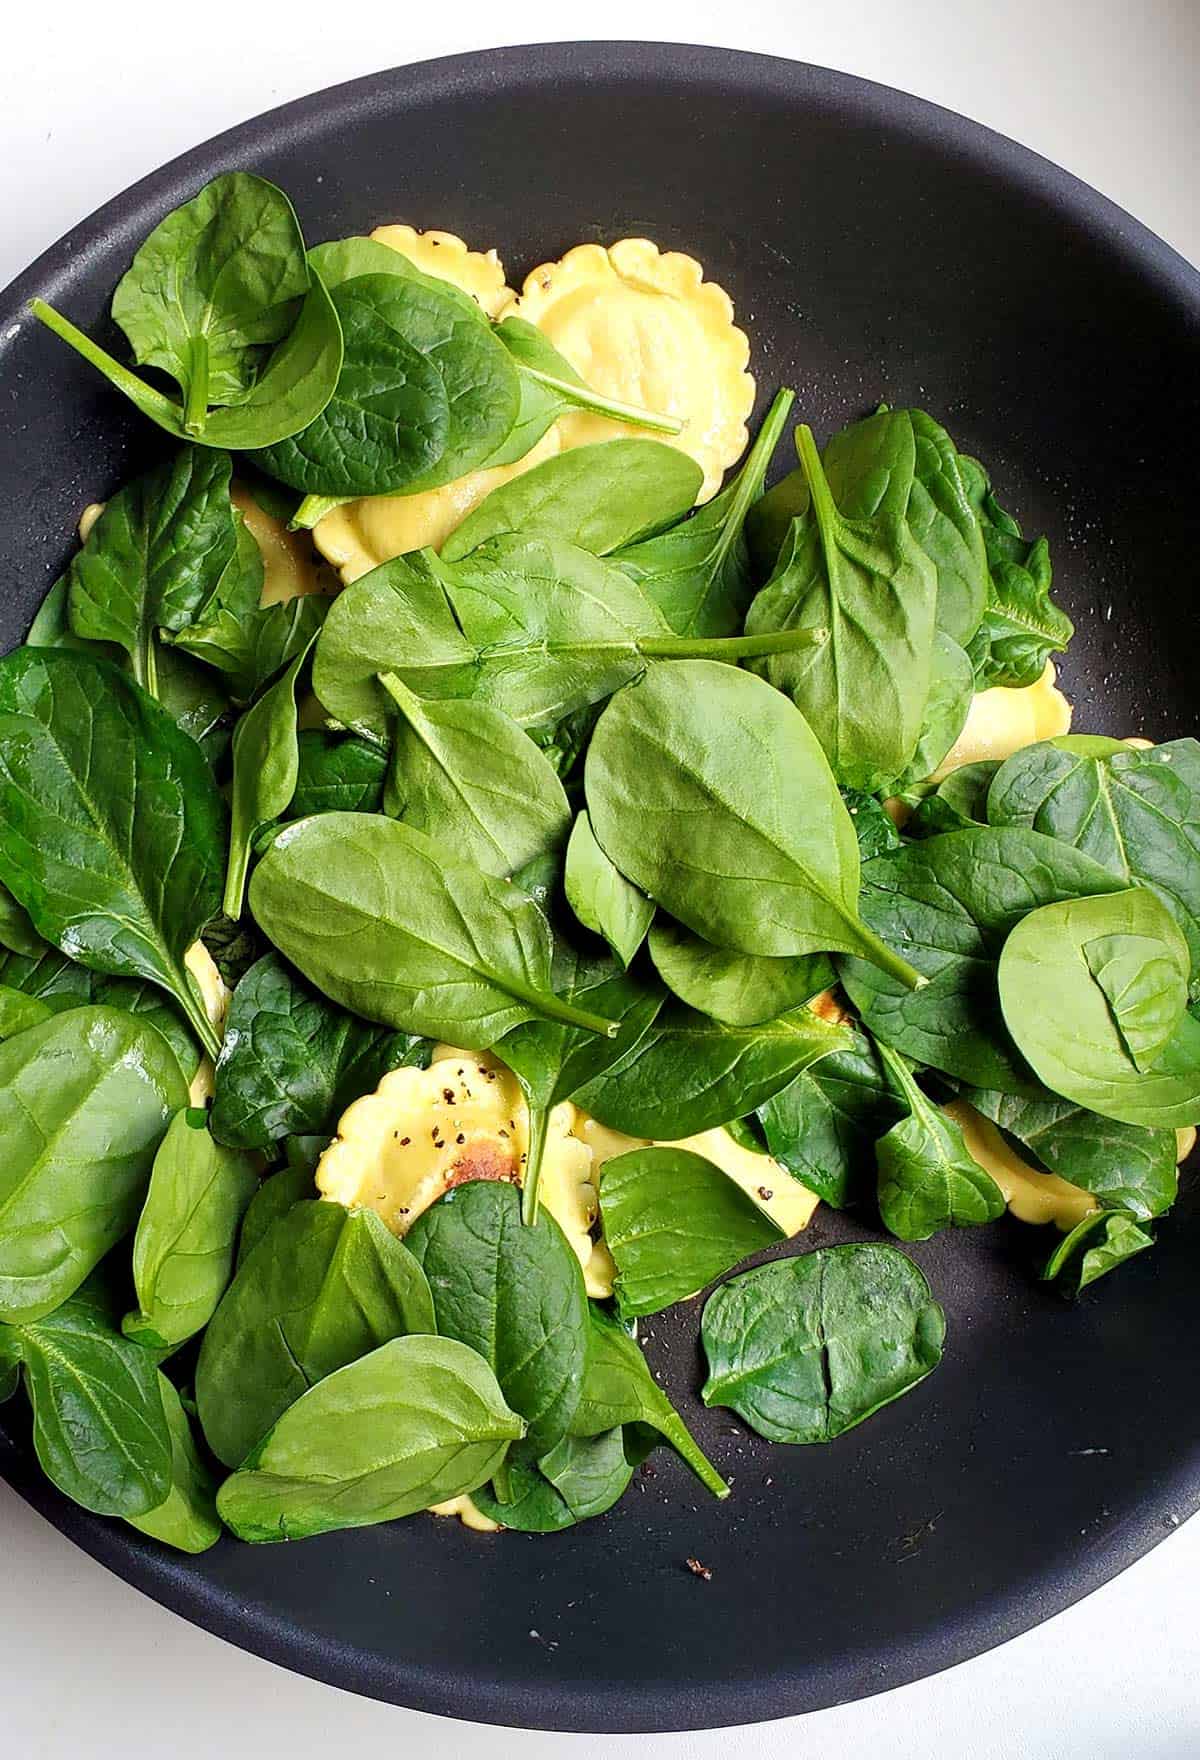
(699, 573)
(17, 933)
(338, 774)
(183, 1248)
(949, 901)
(417, 1421)
(958, 802)
(1022, 626)
(187, 1519)
(601, 897)
(274, 1198)
(951, 688)
(738, 989)
(323, 1287)
(266, 765)
(744, 839)
(464, 771)
(824, 1125)
(249, 644)
(600, 497)
(376, 918)
(673, 1222)
(514, 1293)
(99, 787)
(580, 1477)
(806, 1348)
(1094, 1247)
(88, 1096)
(928, 1179)
(1088, 986)
(291, 1063)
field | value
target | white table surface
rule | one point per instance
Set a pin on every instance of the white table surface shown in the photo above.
(96, 96)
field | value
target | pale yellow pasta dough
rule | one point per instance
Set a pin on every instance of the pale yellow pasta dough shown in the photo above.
(1030, 1194)
(291, 567)
(643, 326)
(214, 994)
(479, 273)
(1003, 720)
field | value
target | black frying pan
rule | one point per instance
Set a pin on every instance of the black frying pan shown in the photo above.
(876, 248)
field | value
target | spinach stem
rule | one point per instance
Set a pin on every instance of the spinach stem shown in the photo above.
(584, 398)
(150, 665)
(553, 1008)
(235, 877)
(539, 1119)
(878, 953)
(195, 408)
(777, 641)
(314, 508)
(151, 402)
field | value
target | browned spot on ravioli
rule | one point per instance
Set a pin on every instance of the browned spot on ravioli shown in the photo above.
(483, 1159)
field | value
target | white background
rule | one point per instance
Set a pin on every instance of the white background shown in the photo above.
(92, 99)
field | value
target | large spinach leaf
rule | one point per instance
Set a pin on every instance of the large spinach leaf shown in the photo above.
(743, 839)
(807, 1348)
(88, 1094)
(949, 902)
(464, 771)
(99, 1427)
(417, 1421)
(291, 1063)
(112, 830)
(699, 573)
(278, 1194)
(600, 497)
(738, 989)
(376, 918)
(514, 1293)
(867, 582)
(187, 1518)
(1094, 993)
(619, 1389)
(426, 393)
(601, 897)
(1022, 626)
(688, 1073)
(1125, 1166)
(1137, 812)
(951, 688)
(928, 1178)
(154, 557)
(183, 1248)
(322, 1287)
(824, 1125)
(673, 1222)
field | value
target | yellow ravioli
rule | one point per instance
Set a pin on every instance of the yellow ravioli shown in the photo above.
(1003, 720)
(1031, 1195)
(214, 994)
(642, 325)
(359, 536)
(479, 273)
(291, 567)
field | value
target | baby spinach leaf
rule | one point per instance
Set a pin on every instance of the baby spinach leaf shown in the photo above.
(18, 1011)
(183, 1248)
(135, 996)
(580, 1477)
(619, 1389)
(17, 933)
(99, 1428)
(1094, 1247)
(112, 830)
(464, 771)
(874, 826)
(291, 1063)
(673, 1222)
(951, 688)
(1022, 626)
(552, 1061)
(514, 1293)
(949, 901)
(426, 393)
(600, 497)
(1126, 1166)
(290, 392)
(872, 587)
(266, 764)
(274, 1198)
(378, 920)
(601, 897)
(806, 1348)
(529, 623)
(88, 1096)
(1137, 812)
(698, 573)
(823, 1126)
(48, 975)
(338, 774)
(744, 839)
(322, 1288)
(689, 1073)
(738, 989)
(550, 387)
(417, 1421)
(187, 1519)
(249, 645)
(196, 701)
(945, 523)
(928, 1179)
(1087, 986)
(154, 556)
(958, 801)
